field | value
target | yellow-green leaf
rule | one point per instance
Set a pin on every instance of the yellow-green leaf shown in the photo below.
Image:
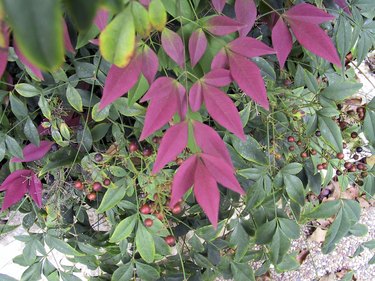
(157, 14)
(141, 20)
(117, 41)
(74, 98)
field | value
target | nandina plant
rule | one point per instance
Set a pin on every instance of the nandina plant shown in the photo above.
(201, 134)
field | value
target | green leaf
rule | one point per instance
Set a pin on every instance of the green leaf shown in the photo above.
(145, 243)
(31, 132)
(99, 115)
(265, 232)
(89, 249)
(81, 12)
(292, 168)
(250, 150)
(209, 233)
(341, 90)
(294, 188)
(358, 230)
(38, 30)
(146, 272)
(242, 271)
(330, 132)
(18, 107)
(117, 40)
(157, 14)
(13, 147)
(369, 186)
(44, 106)
(74, 98)
(117, 171)
(138, 90)
(4, 277)
(111, 198)
(279, 246)
(141, 19)
(369, 126)
(241, 239)
(123, 273)
(2, 150)
(343, 36)
(100, 131)
(84, 138)
(27, 90)
(123, 229)
(324, 210)
(32, 273)
(310, 82)
(61, 246)
(63, 157)
(5, 228)
(290, 228)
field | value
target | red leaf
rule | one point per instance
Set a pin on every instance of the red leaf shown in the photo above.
(246, 13)
(35, 190)
(282, 41)
(222, 172)
(196, 96)
(172, 144)
(206, 192)
(159, 112)
(67, 43)
(101, 19)
(12, 177)
(14, 192)
(183, 103)
(197, 46)
(250, 47)
(222, 25)
(210, 142)
(218, 5)
(248, 77)
(173, 46)
(223, 110)
(314, 39)
(343, 5)
(145, 2)
(183, 179)
(4, 49)
(159, 88)
(220, 60)
(150, 63)
(307, 13)
(119, 81)
(218, 77)
(32, 152)
(37, 72)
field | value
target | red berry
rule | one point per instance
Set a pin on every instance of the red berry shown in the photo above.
(320, 167)
(148, 222)
(133, 147)
(325, 165)
(361, 166)
(179, 161)
(98, 157)
(107, 182)
(340, 155)
(156, 139)
(299, 143)
(348, 165)
(354, 135)
(78, 185)
(91, 196)
(318, 133)
(313, 152)
(291, 139)
(304, 155)
(97, 186)
(177, 209)
(292, 148)
(145, 209)
(353, 169)
(147, 151)
(170, 240)
(159, 216)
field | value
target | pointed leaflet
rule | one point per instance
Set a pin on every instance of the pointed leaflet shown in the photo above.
(222, 25)
(210, 142)
(249, 79)
(222, 172)
(35, 189)
(157, 14)
(182, 103)
(160, 88)
(196, 96)
(159, 112)
(117, 40)
(4, 44)
(206, 192)
(32, 152)
(101, 19)
(218, 5)
(314, 39)
(183, 179)
(149, 64)
(11, 178)
(15, 191)
(218, 77)
(220, 60)
(173, 46)
(246, 13)
(250, 47)
(119, 81)
(172, 144)
(197, 46)
(222, 109)
(282, 41)
(67, 43)
(27, 63)
(307, 13)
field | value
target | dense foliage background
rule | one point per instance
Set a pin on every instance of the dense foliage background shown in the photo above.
(73, 142)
